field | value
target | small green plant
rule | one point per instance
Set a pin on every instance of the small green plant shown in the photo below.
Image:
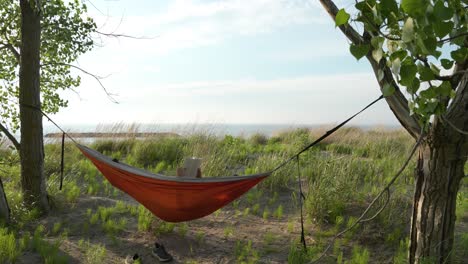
(351, 221)
(56, 228)
(278, 212)
(72, 193)
(93, 254)
(199, 236)
(145, 218)
(228, 231)
(165, 228)
(256, 209)
(290, 226)
(401, 255)
(244, 252)
(246, 211)
(268, 241)
(9, 250)
(182, 229)
(359, 255)
(120, 207)
(297, 254)
(217, 212)
(273, 199)
(94, 218)
(25, 241)
(266, 214)
(49, 252)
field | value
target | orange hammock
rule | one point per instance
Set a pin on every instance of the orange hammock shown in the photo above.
(173, 199)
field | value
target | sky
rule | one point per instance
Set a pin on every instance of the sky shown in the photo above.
(230, 62)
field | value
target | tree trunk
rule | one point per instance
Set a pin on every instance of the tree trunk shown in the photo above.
(32, 148)
(4, 209)
(438, 175)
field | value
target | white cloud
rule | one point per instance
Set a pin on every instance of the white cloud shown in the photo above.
(309, 99)
(188, 23)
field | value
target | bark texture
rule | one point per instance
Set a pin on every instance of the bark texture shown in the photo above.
(438, 175)
(4, 209)
(32, 148)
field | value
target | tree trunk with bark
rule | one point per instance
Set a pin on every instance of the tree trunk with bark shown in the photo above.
(441, 160)
(32, 148)
(438, 175)
(4, 208)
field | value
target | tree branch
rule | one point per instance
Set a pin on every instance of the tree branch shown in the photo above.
(118, 35)
(12, 49)
(453, 37)
(397, 102)
(456, 112)
(347, 30)
(10, 137)
(96, 77)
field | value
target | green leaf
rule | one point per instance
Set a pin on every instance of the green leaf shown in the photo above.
(341, 17)
(401, 54)
(389, 6)
(388, 89)
(428, 93)
(442, 29)
(459, 55)
(431, 45)
(359, 51)
(447, 64)
(407, 32)
(445, 88)
(425, 74)
(407, 73)
(396, 64)
(377, 42)
(413, 87)
(442, 12)
(377, 54)
(414, 7)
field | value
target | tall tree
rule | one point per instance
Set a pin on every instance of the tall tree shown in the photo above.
(421, 45)
(31, 150)
(38, 43)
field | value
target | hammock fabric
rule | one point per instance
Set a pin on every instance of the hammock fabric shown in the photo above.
(173, 199)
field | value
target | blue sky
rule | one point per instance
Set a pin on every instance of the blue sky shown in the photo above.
(242, 61)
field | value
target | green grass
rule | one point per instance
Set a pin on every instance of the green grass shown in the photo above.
(245, 253)
(340, 176)
(93, 253)
(9, 250)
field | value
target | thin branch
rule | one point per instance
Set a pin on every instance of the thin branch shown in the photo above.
(347, 29)
(119, 35)
(377, 29)
(453, 37)
(453, 126)
(12, 49)
(96, 77)
(361, 218)
(10, 137)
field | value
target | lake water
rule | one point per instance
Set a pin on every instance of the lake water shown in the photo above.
(186, 129)
(245, 130)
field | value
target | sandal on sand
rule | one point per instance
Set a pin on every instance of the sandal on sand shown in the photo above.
(132, 260)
